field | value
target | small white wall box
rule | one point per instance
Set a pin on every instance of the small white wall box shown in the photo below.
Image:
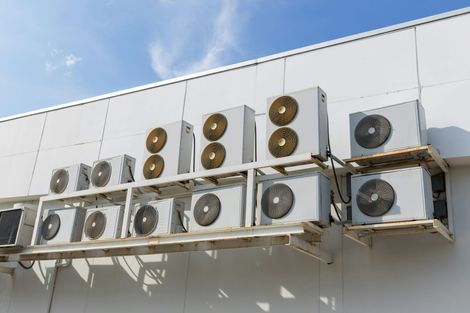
(69, 179)
(168, 150)
(112, 171)
(397, 195)
(301, 198)
(157, 217)
(62, 225)
(103, 223)
(297, 123)
(388, 128)
(217, 208)
(16, 226)
(228, 138)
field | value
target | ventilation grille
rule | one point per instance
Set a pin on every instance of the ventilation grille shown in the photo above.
(375, 198)
(59, 181)
(101, 174)
(372, 131)
(207, 209)
(277, 201)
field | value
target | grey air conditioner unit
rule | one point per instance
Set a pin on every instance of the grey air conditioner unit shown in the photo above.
(103, 223)
(157, 217)
(301, 198)
(388, 128)
(168, 150)
(69, 179)
(62, 225)
(112, 171)
(391, 196)
(297, 124)
(217, 207)
(16, 226)
(228, 138)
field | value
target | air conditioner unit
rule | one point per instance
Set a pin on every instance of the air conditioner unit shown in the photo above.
(157, 217)
(103, 223)
(113, 171)
(16, 226)
(69, 179)
(397, 195)
(297, 124)
(388, 128)
(302, 198)
(228, 138)
(62, 225)
(217, 208)
(168, 150)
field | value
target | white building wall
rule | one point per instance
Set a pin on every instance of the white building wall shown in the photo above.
(423, 60)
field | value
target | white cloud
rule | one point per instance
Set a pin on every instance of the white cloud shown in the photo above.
(165, 56)
(60, 61)
(71, 60)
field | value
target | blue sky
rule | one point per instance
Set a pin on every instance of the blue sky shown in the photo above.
(52, 51)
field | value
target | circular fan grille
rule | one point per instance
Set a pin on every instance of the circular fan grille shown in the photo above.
(207, 209)
(101, 174)
(153, 167)
(95, 225)
(145, 220)
(156, 140)
(282, 142)
(375, 197)
(59, 181)
(215, 126)
(372, 131)
(283, 110)
(213, 156)
(50, 227)
(277, 201)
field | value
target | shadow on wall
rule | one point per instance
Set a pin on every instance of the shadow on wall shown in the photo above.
(249, 280)
(451, 142)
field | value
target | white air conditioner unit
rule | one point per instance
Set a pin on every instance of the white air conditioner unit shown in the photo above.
(302, 198)
(62, 225)
(157, 217)
(228, 138)
(16, 226)
(168, 150)
(388, 128)
(397, 195)
(103, 223)
(217, 207)
(113, 171)
(69, 179)
(297, 124)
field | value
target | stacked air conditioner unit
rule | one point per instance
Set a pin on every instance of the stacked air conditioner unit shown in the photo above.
(168, 150)
(62, 225)
(113, 171)
(16, 226)
(228, 138)
(69, 179)
(297, 124)
(103, 223)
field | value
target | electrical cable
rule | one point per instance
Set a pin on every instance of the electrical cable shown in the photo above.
(130, 172)
(333, 164)
(26, 267)
(194, 152)
(181, 221)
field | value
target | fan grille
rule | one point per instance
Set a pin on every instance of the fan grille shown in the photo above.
(9, 223)
(277, 201)
(95, 225)
(213, 156)
(50, 227)
(375, 197)
(153, 167)
(101, 174)
(59, 181)
(145, 220)
(156, 140)
(282, 142)
(283, 110)
(372, 131)
(207, 209)
(215, 126)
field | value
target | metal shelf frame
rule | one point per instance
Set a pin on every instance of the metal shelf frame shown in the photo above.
(424, 156)
(304, 237)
